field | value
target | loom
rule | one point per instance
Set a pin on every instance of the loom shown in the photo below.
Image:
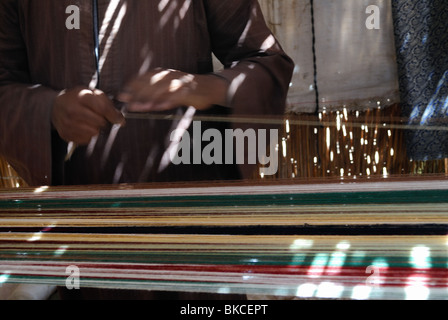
(377, 239)
(348, 216)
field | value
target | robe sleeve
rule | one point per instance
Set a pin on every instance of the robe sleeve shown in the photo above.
(257, 68)
(25, 108)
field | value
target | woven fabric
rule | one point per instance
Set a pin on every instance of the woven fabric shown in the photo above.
(377, 240)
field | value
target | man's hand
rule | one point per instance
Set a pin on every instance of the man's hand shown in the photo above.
(165, 89)
(80, 113)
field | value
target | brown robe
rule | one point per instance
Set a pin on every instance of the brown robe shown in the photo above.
(40, 56)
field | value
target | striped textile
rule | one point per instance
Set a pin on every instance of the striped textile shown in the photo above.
(377, 239)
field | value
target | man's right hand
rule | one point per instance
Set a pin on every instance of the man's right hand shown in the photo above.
(80, 113)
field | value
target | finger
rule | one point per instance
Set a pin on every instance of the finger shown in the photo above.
(177, 95)
(158, 105)
(100, 104)
(81, 134)
(171, 90)
(109, 111)
(127, 94)
(125, 97)
(89, 118)
(76, 115)
(142, 88)
(139, 107)
(132, 92)
(85, 134)
(145, 102)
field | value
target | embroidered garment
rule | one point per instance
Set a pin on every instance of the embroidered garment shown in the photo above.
(421, 33)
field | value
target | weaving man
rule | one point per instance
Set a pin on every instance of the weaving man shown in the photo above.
(63, 86)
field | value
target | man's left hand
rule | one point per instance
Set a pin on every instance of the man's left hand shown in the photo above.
(165, 89)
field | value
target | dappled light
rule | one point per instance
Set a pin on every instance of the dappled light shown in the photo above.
(333, 206)
(109, 29)
(325, 266)
(41, 189)
(176, 10)
(358, 270)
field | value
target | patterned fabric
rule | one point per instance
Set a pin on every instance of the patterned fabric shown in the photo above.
(421, 33)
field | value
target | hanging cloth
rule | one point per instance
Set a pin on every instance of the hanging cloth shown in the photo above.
(355, 66)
